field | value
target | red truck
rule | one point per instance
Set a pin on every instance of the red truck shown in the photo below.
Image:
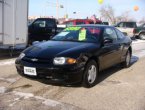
(81, 21)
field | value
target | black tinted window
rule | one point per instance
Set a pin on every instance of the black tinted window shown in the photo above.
(110, 33)
(119, 34)
(50, 23)
(121, 25)
(39, 23)
(78, 23)
(130, 25)
(42, 23)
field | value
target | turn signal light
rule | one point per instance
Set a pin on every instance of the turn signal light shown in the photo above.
(71, 61)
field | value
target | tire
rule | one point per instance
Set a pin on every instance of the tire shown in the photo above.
(90, 74)
(127, 61)
(142, 36)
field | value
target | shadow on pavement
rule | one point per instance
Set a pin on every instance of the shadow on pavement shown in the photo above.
(7, 54)
(108, 72)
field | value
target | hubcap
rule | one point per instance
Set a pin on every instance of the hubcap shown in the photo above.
(128, 57)
(92, 74)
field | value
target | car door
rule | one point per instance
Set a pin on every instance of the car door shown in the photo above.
(37, 29)
(143, 28)
(111, 49)
(50, 29)
(129, 26)
(123, 44)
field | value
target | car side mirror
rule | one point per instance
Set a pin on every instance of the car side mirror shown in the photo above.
(108, 41)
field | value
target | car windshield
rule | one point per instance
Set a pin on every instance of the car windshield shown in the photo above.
(79, 34)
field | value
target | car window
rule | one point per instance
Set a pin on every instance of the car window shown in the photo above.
(119, 34)
(91, 22)
(130, 25)
(69, 23)
(98, 23)
(78, 23)
(39, 24)
(110, 33)
(79, 34)
(50, 23)
(121, 25)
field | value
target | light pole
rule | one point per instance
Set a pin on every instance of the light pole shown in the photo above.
(57, 9)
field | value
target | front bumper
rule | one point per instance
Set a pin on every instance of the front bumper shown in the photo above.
(60, 74)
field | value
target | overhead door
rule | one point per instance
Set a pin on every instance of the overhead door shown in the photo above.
(1, 20)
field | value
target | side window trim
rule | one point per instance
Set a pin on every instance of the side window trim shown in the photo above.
(117, 32)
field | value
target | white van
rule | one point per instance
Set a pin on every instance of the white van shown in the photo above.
(13, 24)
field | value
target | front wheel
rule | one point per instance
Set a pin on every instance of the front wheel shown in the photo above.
(90, 74)
(127, 61)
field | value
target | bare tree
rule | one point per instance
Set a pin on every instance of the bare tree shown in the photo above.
(142, 20)
(125, 16)
(108, 13)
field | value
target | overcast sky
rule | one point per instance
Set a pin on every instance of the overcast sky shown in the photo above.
(85, 8)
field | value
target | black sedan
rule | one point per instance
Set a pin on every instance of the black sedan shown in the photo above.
(77, 54)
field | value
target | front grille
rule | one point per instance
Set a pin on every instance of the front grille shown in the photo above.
(37, 60)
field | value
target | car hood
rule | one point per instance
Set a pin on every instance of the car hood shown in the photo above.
(53, 49)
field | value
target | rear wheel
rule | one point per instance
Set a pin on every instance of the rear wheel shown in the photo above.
(127, 61)
(90, 74)
(142, 36)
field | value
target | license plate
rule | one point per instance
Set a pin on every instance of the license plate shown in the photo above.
(30, 71)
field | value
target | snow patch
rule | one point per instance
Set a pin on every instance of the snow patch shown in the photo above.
(138, 41)
(52, 103)
(25, 95)
(3, 63)
(47, 102)
(140, 54)
(2, 90)
(10, 80)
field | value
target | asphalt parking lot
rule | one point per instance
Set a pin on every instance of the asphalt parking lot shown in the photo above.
(118, 89)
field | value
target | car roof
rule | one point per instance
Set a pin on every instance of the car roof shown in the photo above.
(128, 22)
(46, 18)
(78, 20)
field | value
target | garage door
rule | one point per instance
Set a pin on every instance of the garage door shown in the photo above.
(1, 30)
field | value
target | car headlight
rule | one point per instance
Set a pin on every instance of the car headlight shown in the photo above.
(63, 61)
(22, 55)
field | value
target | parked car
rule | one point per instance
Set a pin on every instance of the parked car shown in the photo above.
(42, 29)
(139, 32)
(127, 27)
(81, 21)
(77, 54)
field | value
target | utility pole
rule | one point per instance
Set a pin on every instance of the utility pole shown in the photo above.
(57, 9)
